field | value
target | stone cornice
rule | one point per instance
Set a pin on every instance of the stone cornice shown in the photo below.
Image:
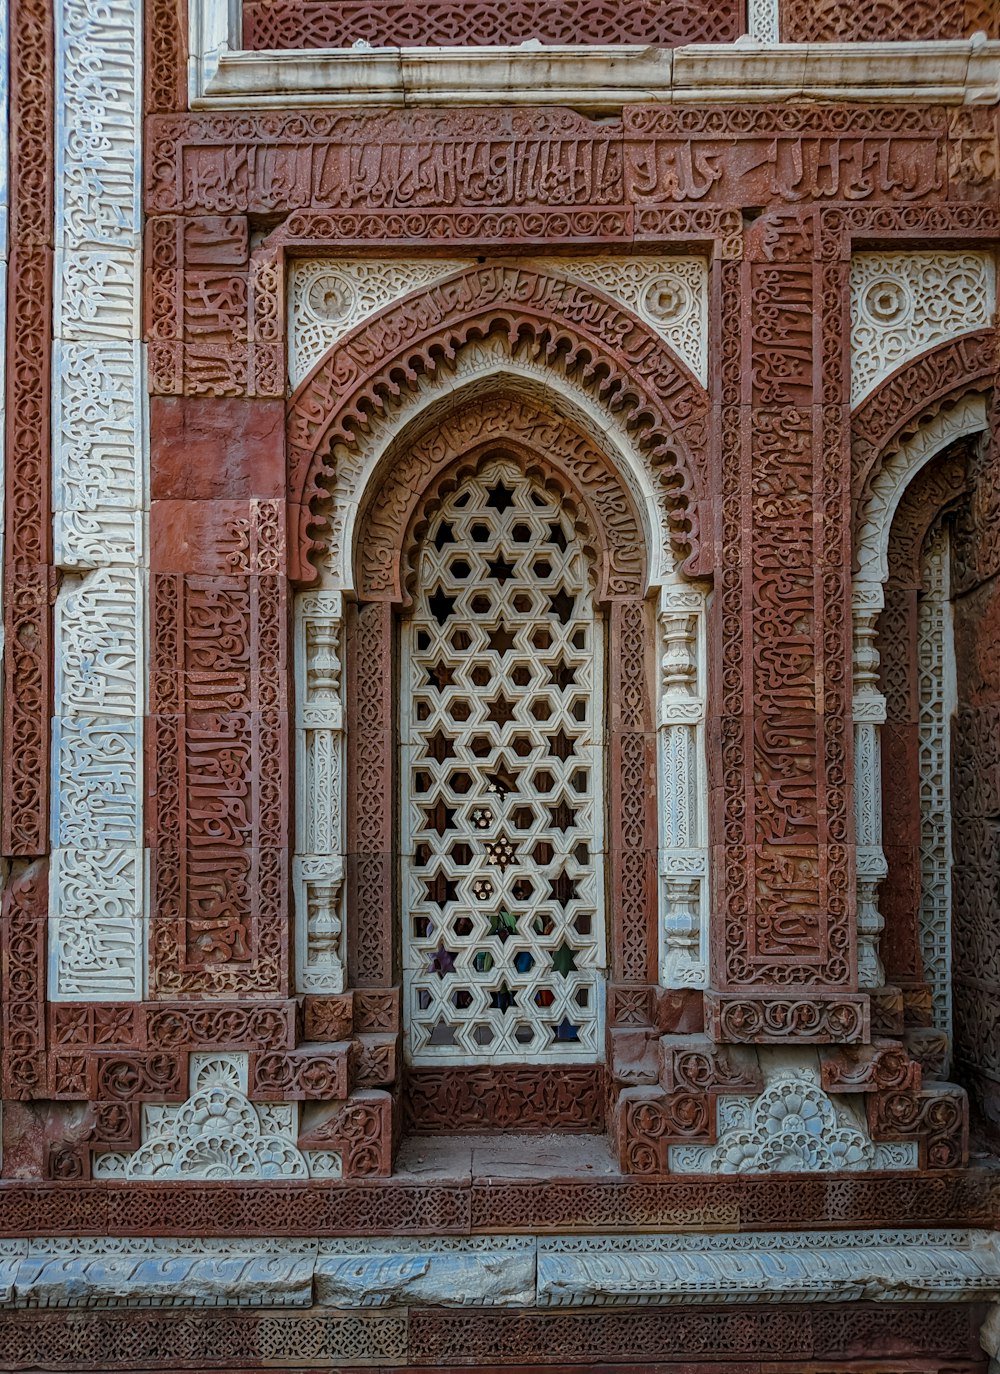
(503, 1271)
(597, 78)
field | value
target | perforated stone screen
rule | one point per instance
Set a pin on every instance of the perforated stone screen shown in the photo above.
(501, 726)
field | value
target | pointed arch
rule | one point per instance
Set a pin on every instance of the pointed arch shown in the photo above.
(574, 331)
(910, 398)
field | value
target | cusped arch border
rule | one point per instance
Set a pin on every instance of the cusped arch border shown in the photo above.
(631, 370)
(962, 417)
(401, 486)
(908, 400)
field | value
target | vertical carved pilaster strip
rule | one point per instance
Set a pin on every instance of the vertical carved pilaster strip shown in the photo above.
(788, 868)
(97, 884)
(683, 857)
(936, 705)
(166, 55)
(632, 767)
(729, 649)
(319, 864)
(370, 792)
(28, 578)
(869, 717)
(900, 795)
(22, 982)
(220, 829)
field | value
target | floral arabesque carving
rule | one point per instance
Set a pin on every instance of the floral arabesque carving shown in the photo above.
(792, 1127)
(905, 303)
(215, 1134)
(622, 360)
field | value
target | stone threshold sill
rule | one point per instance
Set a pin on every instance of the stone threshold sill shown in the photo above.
(595, 79)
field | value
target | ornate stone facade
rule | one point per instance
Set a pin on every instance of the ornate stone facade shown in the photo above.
(500, 699)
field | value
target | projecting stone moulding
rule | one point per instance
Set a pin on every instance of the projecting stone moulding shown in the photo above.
(516, 1272)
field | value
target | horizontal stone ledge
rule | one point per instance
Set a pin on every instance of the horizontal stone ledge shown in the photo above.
(954, 72)
(513, 1272)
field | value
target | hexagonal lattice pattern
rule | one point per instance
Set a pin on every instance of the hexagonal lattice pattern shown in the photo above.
(502, 666)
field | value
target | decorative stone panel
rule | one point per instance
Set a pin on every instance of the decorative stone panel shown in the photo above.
(671, 294)
(98, 881)
(816, 1266)
(386, 23)
(320, 840)
(792, 1126)
(477, 1272)
(683, 789)
(329, 298)
(905, 303)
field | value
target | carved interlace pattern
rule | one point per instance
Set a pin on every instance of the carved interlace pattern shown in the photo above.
(934, 686)
(904, 303)
(430, 23)
(883, 21)
(503, 926)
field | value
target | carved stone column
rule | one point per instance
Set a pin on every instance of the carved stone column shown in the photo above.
(683, 857)
(869, 717)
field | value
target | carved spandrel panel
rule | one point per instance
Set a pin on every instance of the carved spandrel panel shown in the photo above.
(501, 706)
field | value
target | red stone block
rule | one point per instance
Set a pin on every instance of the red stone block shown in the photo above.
(218, 448)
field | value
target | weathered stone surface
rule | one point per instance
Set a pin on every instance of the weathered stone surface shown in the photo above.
(889, 1266)
(91, 1272)
(485, 1272)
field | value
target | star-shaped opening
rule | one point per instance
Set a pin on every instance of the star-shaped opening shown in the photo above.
(501, 498)
(445, 535)
(441, 889)
(501, 640)
(564, 960)
(561, 745)
(500, 568)
(562, 817)
(503, 781)
(442, 961)
(502, 999)
(563, 889)
(440, 676)
(561, 604)
(439, 817)
(500, 711)
(557, 537)
(501, 852)
(562, 674)
(503, 925)
(441, 606)
(439, 747)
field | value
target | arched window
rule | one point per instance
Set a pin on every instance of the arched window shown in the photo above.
(501, 744)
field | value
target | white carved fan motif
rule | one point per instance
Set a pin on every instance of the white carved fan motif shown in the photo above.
(500, 725)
